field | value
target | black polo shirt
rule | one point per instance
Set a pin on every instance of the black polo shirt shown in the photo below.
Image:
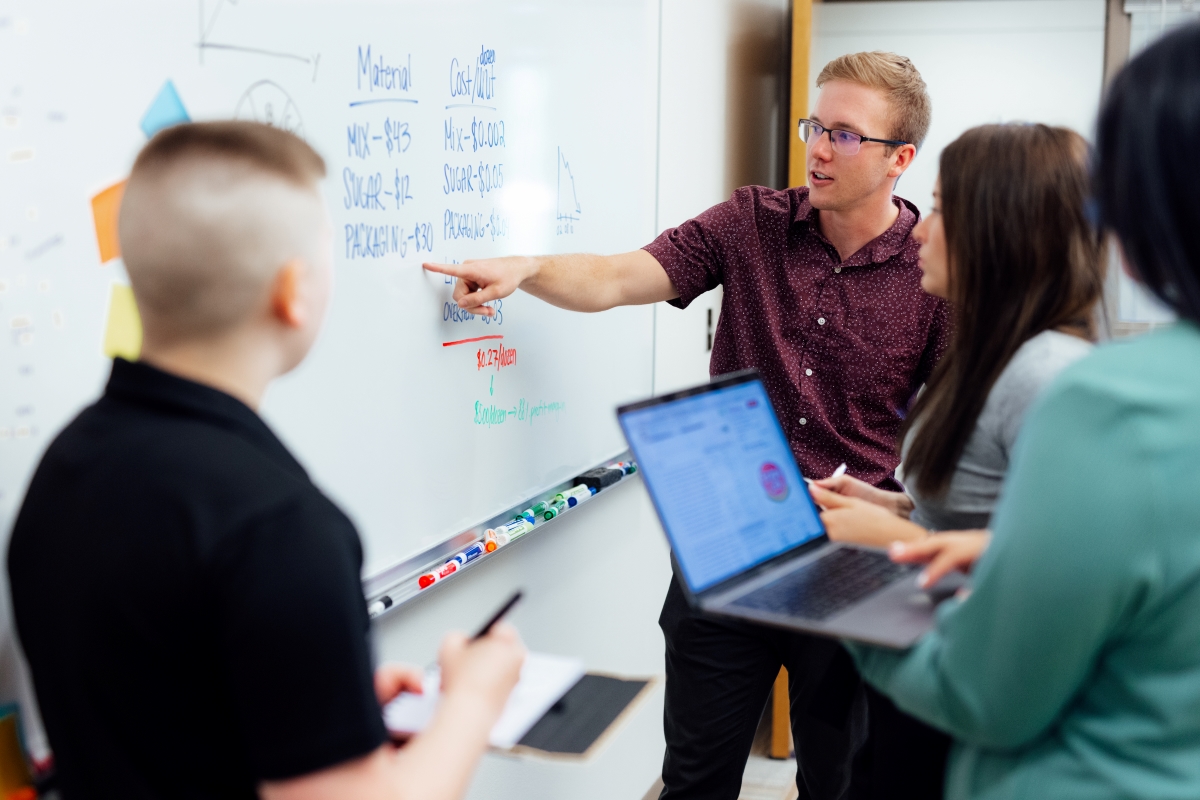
(188, 600)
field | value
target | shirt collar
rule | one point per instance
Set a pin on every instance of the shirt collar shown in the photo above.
(882, 247)
(141, 384)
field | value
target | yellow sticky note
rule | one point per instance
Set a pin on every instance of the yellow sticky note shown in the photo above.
(123, 334)
(106, 209)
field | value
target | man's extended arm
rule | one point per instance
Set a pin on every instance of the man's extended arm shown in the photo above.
(577, 282)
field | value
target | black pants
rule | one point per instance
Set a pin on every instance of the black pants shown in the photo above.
(903, 758)
(719, 676)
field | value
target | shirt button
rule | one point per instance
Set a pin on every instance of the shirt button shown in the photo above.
(808, 372)
(837, 269)
(820, 320)
(803, 421)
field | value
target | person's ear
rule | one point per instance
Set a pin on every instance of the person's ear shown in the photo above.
(902, 159)
(287, 294)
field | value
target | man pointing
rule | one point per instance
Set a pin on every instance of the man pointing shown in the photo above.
(822, 294)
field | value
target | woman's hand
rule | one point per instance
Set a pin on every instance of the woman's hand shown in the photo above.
(943, 553)
(898, 503)
(858, 521)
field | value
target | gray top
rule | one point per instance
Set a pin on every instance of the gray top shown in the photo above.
(975, 485)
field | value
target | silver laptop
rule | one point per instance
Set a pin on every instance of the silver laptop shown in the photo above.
(746, 536)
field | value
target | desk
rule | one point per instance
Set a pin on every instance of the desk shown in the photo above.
(594, 584)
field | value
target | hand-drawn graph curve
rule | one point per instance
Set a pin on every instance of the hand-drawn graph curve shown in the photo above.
(568, 212)
(208, 20)
(267, 102)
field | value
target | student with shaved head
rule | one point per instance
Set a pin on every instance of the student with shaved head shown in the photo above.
(188, 600)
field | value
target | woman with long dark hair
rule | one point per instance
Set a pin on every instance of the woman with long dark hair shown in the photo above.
(1009, 243)
(1072, 669)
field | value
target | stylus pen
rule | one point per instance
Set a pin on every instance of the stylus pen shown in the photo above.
(499, 615)
(837, 473)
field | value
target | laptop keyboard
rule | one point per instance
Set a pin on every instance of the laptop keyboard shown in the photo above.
(826, 586)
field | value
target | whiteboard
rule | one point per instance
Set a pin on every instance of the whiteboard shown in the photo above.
(451, 129)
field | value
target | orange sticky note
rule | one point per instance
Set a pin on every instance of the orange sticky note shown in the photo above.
(106, 207)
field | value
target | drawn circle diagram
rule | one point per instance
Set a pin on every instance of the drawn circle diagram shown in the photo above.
(773, 482)
(267, 102)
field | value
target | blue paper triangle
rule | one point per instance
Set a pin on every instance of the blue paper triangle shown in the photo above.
(166, 110)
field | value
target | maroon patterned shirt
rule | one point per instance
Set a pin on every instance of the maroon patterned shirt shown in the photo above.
(842, 345)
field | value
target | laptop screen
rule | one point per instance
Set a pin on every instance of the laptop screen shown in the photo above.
(723, 479)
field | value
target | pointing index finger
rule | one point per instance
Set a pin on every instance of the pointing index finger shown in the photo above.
(455, 270)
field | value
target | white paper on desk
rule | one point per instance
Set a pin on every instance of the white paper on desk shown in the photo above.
(544, 680)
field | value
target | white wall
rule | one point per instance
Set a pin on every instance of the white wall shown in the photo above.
(722, 115)
(983, 60)
(1149, 21)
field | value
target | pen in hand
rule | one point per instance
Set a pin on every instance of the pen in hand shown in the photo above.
(499, 615)
(837, 473)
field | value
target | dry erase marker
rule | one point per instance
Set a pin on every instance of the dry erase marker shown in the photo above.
(556, 508)
(518, 527)
(489, 540)
(534, 510)
(470, 554)
(379, 606)
(581, 492)
(427, 580)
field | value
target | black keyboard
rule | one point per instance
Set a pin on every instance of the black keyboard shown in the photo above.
(824, 587)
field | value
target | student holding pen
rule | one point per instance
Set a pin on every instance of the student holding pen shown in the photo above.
(1072, 669)
(189, 602)
(1009, 244)
(823, 296)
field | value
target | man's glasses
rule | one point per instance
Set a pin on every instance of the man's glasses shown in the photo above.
(847, 143)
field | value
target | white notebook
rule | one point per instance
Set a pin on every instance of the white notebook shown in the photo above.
(544, 680)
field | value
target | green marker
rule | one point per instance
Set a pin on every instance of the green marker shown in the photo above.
(556, 508)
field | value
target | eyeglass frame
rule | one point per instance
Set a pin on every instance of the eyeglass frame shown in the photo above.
(800, 123)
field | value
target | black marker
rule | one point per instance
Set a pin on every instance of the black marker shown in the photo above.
(499, 615)
(379, 606)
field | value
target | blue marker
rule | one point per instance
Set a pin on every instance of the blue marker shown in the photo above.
(470, 554)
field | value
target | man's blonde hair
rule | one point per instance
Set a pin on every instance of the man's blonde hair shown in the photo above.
(898, 79)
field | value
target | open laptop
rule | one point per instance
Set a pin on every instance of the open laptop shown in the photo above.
(746, 535)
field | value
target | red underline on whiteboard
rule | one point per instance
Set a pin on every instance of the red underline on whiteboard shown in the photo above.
(476, 339)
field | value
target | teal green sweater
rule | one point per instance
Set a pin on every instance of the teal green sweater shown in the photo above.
(1073, 668)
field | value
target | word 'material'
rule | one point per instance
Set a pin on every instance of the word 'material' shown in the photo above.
(383, 75)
